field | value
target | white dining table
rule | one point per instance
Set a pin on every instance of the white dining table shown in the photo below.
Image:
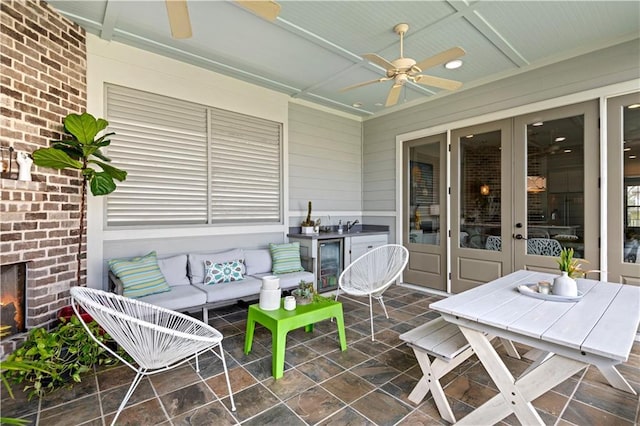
(598, 329)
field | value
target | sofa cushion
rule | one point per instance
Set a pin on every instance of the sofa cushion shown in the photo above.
(174, 269)
(180, 297)
(290, 280)
(196, 262)
(140, 276)
(224, 272)
(257, 261)
(250, 286)
(285, 258)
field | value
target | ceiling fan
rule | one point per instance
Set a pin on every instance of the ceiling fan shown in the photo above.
(404, 69)
(181, 24)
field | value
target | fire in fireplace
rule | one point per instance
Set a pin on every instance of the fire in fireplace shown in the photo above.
(13, 280)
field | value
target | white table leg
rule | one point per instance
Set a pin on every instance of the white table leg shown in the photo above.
(615, 379)
(515, 396)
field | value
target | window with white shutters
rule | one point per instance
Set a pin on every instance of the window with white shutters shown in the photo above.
(182, 171)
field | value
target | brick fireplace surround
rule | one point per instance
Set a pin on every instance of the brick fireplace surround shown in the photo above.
(43, 75)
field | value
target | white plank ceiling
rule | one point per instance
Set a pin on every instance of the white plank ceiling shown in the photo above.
(314, 48)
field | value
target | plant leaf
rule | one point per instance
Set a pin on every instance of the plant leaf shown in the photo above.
(114, 172)
(55, 159)
(102, 184)
(84, 127)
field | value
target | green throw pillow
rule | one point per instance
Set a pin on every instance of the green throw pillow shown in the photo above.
(140, 276)
(285, 258)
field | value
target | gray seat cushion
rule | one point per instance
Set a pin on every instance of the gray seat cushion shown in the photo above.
(290, 280)
(229, 291)
(179, 298)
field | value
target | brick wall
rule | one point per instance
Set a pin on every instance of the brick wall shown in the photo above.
(43, 78)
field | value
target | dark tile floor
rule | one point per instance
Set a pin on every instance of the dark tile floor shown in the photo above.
(366, 385)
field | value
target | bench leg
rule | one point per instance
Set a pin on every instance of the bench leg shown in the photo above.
(430, 381)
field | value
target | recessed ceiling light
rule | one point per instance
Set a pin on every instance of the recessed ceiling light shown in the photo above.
(538, 123)
(627, 149)
(469, 136)
(632, 157)
(378, 104)
(452, 65)
(632, 106)
(560, 139)
(567, 151)
(356, 104)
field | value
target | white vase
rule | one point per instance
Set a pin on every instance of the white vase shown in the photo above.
(564, 285)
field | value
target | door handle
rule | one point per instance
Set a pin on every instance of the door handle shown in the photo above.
(519, 237)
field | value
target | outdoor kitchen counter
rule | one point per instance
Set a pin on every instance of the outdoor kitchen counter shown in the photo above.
(357, 230)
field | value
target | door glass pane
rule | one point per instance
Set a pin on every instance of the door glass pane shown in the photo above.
(555, 186)
(631, 173)
(424, 184)
(480, 191)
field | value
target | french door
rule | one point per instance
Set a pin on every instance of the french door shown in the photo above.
(424, 211)
(521, 190)
(623, 189)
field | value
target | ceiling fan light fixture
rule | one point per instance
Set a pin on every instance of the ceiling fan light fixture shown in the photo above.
(452, 65)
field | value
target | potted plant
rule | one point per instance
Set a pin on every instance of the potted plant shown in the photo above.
(307, 225)
(82, 151)
(565, 284)
(58, 357)
(15, 366)
(304, 293)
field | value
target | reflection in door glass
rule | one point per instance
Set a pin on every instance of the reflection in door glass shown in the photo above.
(424, 184)
(555, 186)
(631, 173)
(480, 191)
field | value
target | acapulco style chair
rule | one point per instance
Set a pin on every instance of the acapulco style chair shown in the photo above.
(372, 273)
(158, 339)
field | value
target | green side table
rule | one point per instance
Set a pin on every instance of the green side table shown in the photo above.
(280, 322)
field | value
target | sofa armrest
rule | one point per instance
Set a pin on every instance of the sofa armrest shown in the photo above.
(115, 284)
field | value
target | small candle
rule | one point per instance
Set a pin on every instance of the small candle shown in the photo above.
(289, 303)
(544, 287)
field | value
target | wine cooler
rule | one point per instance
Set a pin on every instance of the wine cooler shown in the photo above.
(330, 263)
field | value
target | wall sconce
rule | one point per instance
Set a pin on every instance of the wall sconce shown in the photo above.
(484, 189)
(536, 184)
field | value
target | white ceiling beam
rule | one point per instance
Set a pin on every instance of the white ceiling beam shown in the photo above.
(472, 14)
(111, 12)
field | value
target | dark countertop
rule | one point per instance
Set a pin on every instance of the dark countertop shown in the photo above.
(356, 231)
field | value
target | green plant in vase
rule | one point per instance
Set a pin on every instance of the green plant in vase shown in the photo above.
(568, 264)
(305, 294)
(308, 222)
(82, 151)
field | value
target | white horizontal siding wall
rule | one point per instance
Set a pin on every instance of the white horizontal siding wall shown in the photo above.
(325, 162)
(598, 69)
(116, 63)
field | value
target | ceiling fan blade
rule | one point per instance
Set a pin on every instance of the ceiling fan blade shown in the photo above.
(179, 18)
(266, 9)
(378, 80)
(443, 83)
(440, 58)
(378, 60)
(394, 95)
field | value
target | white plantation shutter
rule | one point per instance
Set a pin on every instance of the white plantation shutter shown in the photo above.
(245, 168)
(162, 144)
(181, 173)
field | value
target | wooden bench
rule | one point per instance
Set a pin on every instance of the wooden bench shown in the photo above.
(449, 348)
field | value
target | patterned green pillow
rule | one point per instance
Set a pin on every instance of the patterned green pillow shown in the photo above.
(140, 276)
(225, 272)
(285, 258)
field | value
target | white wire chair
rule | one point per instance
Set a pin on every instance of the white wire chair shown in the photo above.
(372, 273)
(158, 339)
(543, 247)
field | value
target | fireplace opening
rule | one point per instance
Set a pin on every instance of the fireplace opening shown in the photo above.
(13, 279)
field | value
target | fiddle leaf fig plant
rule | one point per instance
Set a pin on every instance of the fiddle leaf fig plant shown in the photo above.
(82, 151)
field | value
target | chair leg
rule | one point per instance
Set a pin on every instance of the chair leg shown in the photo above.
(371, 316)
(383, 306)
(132, 388)
(226, 375)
